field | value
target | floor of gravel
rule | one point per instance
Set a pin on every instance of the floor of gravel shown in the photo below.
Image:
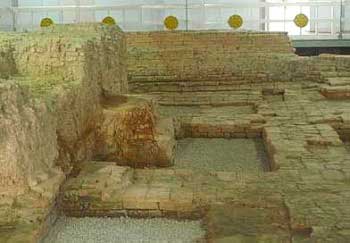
(123, 230)
(219, 154)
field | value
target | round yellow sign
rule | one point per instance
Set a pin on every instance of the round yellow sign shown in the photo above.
(235, 21)
(46, 22)
(301, 20)
(171, 23)
(109, 21)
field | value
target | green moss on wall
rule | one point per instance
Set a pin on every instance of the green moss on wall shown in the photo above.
(44, 86)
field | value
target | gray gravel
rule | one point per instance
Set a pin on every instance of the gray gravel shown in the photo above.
(108, 230)
(219, 154)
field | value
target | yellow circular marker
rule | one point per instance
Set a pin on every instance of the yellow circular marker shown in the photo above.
(46, 22)
(235, 21)
(171, 23)
(109, 21)
(301, 20)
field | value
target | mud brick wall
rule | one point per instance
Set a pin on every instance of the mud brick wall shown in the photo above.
(7, 63)
(53, 81)
(132, 134)
(75, 52)
(332, 65)
(159, 58)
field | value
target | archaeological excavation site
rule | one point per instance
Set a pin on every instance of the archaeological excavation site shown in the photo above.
(171, 135)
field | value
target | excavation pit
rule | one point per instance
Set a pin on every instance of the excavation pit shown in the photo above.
(123, 230)
(219, 154)
(69, 101)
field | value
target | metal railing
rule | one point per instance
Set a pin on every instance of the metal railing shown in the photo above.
(328, 19)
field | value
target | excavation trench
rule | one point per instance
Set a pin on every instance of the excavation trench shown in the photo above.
(240, 151)
(151, 203)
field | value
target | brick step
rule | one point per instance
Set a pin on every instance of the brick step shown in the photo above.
(104, 189)
(187, 90)
(205, 102)
(191, 83)
(222, 80)
(338, 81)
(338, 92)
(190, 86)
(218, 100)
(195, 78)
(335, 74)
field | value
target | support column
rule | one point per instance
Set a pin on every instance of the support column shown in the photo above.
(263, 16)
(14, 5)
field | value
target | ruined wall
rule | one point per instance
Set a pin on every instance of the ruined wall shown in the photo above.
(79, 53)
(7, 63)
(133, 134)
(158, 58)
(28, 146)
(332, 65)
(50, 111)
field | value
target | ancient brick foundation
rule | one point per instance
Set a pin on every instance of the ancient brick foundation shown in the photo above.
(50, 114)
(64, 106)
(211, 61)
(132, 134)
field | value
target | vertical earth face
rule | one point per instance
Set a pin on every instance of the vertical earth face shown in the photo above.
(133, 135)
(230, 130)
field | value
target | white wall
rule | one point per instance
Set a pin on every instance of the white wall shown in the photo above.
(146, 18)
(152, 18)
(29, 20)
(6, 17)
(325, 12)
(5, 3)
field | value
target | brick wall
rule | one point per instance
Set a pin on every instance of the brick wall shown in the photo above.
(157, 58)
(332, 65)
(75, 52)
(66, 70)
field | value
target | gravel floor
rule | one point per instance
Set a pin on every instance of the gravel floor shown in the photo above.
(244, 155)
(124, 230)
